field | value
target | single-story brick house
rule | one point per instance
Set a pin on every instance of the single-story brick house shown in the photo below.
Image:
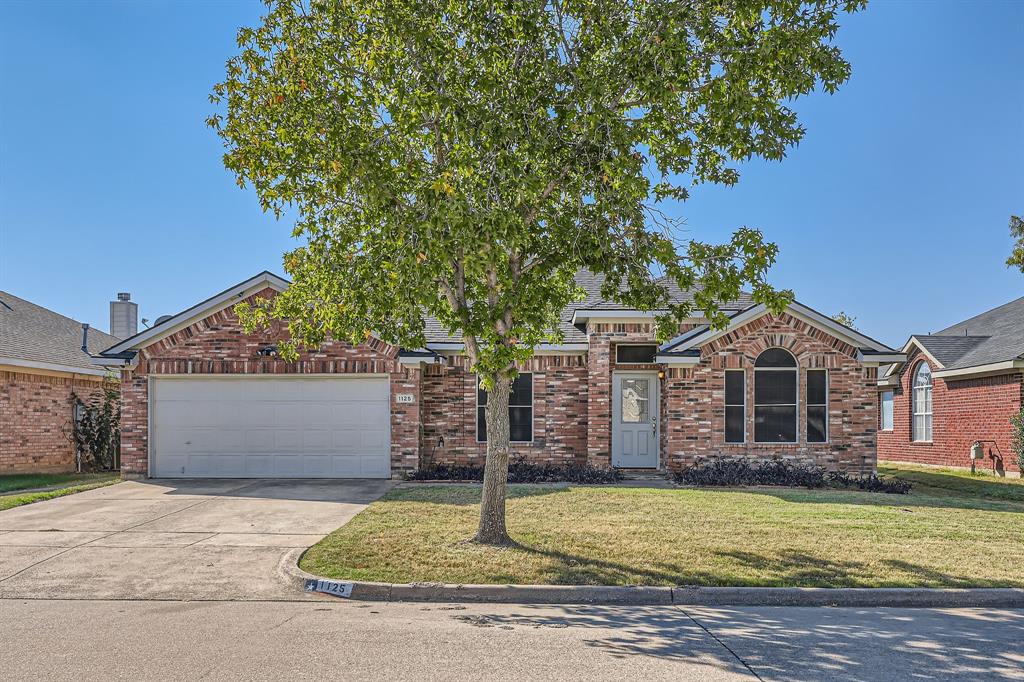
(202, 398)
(957, 387)
(45, 358)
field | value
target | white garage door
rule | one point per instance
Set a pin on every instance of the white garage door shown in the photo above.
(270, 428)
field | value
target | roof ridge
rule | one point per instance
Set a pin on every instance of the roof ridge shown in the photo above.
(1015, 301)
(54, 313)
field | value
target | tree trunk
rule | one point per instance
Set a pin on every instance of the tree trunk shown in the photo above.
(492, 504)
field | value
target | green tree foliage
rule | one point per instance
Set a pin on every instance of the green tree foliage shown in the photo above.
(464, 159)
(845, 319)
(1016, 259)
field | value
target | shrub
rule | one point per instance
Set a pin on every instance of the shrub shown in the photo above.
(741, 472)
(519, 471)
(1017, 438)
(97, 430)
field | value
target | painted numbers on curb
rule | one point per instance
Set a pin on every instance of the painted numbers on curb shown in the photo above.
(338, 588)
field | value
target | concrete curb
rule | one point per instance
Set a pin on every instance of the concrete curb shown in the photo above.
(662, 596)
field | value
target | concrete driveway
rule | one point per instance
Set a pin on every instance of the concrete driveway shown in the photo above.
(161, 539)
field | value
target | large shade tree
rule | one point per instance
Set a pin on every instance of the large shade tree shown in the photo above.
(463, 159)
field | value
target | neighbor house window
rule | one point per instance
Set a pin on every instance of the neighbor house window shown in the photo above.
(635, 355)
(520, 410)
(817, 406)
(885, 410)
(735, 406)
(775, 397)
(922, 399)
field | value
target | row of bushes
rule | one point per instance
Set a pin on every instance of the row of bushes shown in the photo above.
(520, 471)
(743, 472)
(714, 472)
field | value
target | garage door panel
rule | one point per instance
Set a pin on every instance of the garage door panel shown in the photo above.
(271, 427)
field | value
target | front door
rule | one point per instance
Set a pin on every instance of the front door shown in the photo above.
(635, 419)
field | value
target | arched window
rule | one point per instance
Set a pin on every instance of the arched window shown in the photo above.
(922, 400)
(775, 376)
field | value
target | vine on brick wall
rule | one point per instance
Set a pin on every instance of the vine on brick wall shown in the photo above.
(97, 433)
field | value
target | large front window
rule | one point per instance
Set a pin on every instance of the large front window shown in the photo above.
(520, 410)
(922, 399)
(775, 401)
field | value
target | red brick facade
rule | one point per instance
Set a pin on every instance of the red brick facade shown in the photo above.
(571, 393)
(696, 398)
(963, 412)
(36, 412)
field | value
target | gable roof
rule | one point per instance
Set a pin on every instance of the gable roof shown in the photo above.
(434, 331)
(992, 342)
(869, 349)
(199, 310)
(34, 336)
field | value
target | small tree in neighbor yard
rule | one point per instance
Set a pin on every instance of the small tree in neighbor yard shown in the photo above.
(464, 159)
(1017, 439)
(845, 319)
(1016, 259)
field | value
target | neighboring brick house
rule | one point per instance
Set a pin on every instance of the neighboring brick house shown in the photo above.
(43, 361)
(202, 398)
(957, 387)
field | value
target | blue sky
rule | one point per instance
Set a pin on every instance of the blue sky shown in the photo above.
(894, 208)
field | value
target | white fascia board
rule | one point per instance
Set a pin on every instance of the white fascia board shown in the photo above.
(585, 315)
(200, 310)
(796, 309)
(52, 367)
(880, 358)
(541, 349)
(748, 315)
(981, 370)
(889, 381)
(683, 360)
(912, 342)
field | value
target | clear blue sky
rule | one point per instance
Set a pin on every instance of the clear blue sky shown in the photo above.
(894, 208)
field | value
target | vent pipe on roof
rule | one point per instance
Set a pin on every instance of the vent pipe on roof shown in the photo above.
(85, 337)
(124, 316)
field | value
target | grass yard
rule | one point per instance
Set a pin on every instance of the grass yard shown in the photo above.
(69, 484)
(953, 530)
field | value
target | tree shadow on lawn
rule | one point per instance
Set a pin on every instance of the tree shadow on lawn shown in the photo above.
(785, 643)
(929, 497)
(787, 568)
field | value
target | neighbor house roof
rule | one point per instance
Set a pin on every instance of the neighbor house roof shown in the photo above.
(991, 338)
(34, 337)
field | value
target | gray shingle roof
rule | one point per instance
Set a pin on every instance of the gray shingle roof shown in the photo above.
(591, 283)
(993, 336)
(31, 332)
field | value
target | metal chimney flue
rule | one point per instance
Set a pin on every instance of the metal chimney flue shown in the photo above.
(124, 316)
(85, 337)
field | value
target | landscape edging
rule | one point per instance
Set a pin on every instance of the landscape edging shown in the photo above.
(863, 597)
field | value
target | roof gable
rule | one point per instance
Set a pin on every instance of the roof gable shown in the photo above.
(705, 334)
(199, 311)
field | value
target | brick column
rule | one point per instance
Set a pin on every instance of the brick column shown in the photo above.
(599, 402)
(406, 420)
(134, 426)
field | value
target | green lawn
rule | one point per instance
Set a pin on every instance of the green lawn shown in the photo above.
(953, 530)
(69, 484)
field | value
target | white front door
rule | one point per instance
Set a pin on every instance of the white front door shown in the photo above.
(635, 419)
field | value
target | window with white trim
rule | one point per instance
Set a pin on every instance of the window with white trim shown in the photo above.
(520, 410)
(885, 410)
(775, 397)
(817, 406)
(735, 406)
(922, 403)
